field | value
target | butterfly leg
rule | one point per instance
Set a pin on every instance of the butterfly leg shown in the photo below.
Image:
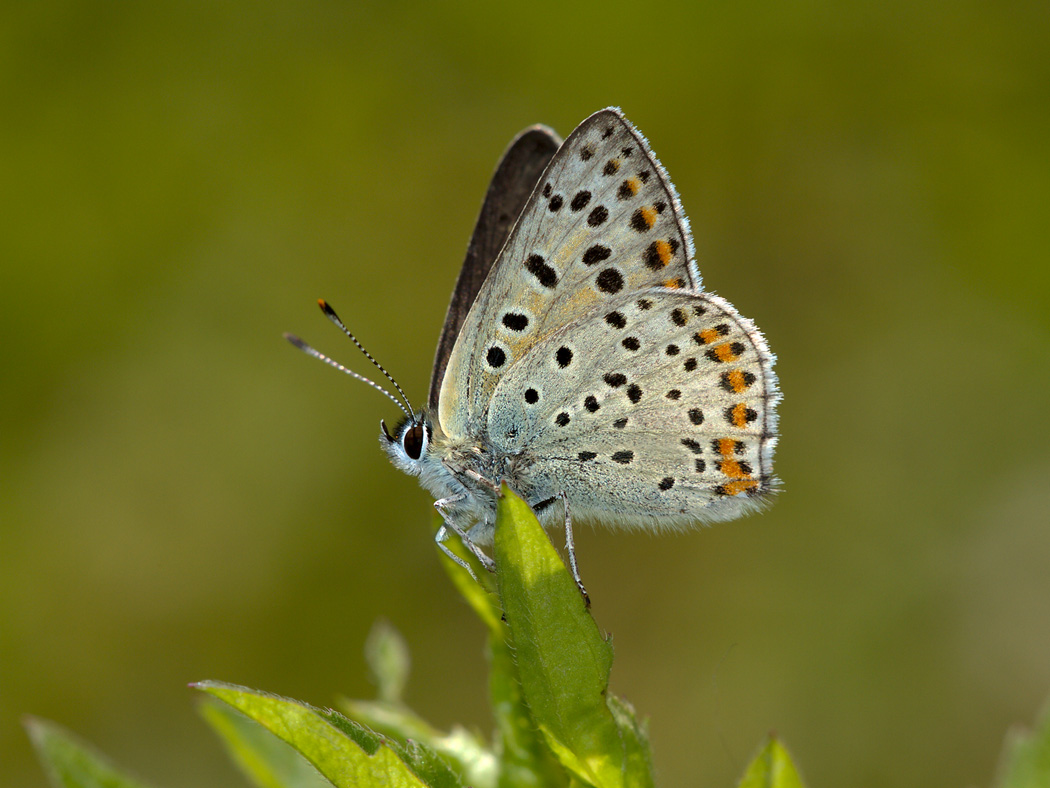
(440, 538)
(570, 548)
(443, 506)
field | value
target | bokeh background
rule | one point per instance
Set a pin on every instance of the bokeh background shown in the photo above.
(186, 497)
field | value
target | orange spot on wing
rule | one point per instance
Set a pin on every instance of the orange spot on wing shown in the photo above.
(674, 284)
(632, 184)
(733, 469)
(709, 335)
(663, 252)
(735, 488)
(725, 352)
(648, 216)
(740, 415)
(726, 447)
(737, 380)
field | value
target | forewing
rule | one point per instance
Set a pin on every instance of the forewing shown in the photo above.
(514, 180)
(659, 409)
(603, 221)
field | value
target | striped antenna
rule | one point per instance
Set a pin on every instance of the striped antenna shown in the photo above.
(331, 315)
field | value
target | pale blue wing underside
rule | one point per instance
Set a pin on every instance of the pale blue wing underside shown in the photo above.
(665, 399)
(604, 220)
(592, 365)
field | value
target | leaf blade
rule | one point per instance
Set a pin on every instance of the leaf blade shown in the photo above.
(71, 762)
(772, 767)
(562, 658)
(525, 760)
(266, 760)
(346, 753)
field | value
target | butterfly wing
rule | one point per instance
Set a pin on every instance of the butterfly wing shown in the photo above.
(514, 180)
(603, 220)
(665, 398)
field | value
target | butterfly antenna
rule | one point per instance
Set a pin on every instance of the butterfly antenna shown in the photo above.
(332, 363)
(331, 315)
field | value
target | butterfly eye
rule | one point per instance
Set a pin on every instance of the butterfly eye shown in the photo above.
(413, 442)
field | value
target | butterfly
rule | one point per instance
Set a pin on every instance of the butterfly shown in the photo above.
(581, 362)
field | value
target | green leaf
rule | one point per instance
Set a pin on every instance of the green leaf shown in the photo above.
(635, 735)
(266, 760)
(346, 753)
(1025, 762)
(387, 657)
(70, 762)
(771, 768)
(467, 752)
(525, 760)
(562, 659)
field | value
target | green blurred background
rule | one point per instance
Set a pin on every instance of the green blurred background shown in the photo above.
(186, 497)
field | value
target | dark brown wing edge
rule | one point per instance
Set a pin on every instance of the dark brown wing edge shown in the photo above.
(516, 175)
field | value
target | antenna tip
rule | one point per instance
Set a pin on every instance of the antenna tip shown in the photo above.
(295, 341)
(330, 313)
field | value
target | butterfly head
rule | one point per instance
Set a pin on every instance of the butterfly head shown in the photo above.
(409, 446)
